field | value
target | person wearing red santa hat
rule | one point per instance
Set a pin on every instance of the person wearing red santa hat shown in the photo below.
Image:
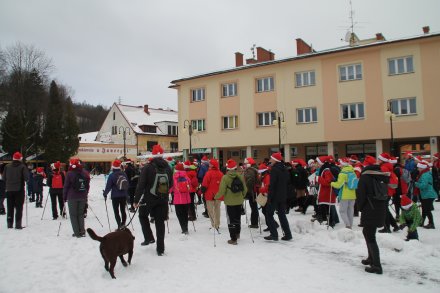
(151, 197)
(410, 217)
(252, 182)
(201, 172)
(192, 175)
(210, 187)
(15, 175)
(55, 181)
(427, 193)
(233, 188)
(38, 187)
(410, 163)
(181, 197)
(118, 184)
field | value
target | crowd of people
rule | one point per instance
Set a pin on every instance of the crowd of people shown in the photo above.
(385, 193)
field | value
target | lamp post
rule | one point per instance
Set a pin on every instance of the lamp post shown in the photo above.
(279, 120)
(124, 134)
(188, 125)
(390, 115)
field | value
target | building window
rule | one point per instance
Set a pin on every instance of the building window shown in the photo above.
(406, 106)
(400, 65)
(198, 95)
(265, 84)
(114, 130)
(229, 89)
(352, 111)
(148, 128)
(150, 145)
(172, 130)
(306, 115)
(266, 118)
(350, 72)
(305, 78)
(230, 122)
(114, 116)
(198, 125)
(174, 147)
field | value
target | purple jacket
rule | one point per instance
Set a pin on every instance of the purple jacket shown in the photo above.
(111, 185)
(68, 192)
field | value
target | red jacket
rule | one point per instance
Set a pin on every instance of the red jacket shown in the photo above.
(211, 182)
(265, 181)
(192, 175)
(388, 167)
(324, 181)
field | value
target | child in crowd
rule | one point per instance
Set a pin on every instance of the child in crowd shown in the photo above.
(410, 217)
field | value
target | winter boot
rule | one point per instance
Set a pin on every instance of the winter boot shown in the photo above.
(374, 270)
(429, 226)
(232, 242)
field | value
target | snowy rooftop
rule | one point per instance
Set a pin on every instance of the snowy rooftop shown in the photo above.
(88, 136)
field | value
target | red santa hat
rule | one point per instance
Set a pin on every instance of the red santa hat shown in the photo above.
(358, 167)
(231, 165)
(418, 158)
(74, 163)
(369, 160)
(179, 167)
(249, 161)
(384, 157)
(40, 170)
(57, 165)
(116, 164)
(405, 202)
(214, 163)
(187, 164)
(277, 157)
(157, 150)
(205, 159)
(262, 168)
(393, 160)
(408, 154)
(344, 161)
(322, 159)
(422, 165)
(17, 156)
(354, 159)
(169, 159)
(436, 156)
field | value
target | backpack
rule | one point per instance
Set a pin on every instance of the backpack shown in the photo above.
(182, 184)
(161, 184)
(57, 180)
(122, 183)
(380, 189)
(80, 183)
(405, 175)
(352, 180)
(236, 185)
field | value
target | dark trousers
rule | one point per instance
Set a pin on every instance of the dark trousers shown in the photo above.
(396, 202)
(254, 210)
(159, 211)
(15, 200)
(54, 197)
(389, 220)
(281, 211)
(323, 214)
(182, 216)
(373, 249)
(119, 206)
(233, 214)
(427, 207)
(2, 196)
(131, 191)
(39, 198)
(191, 208)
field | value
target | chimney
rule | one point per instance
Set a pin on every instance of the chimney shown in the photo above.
(380, 37)
(251, 61)
(264, 55)
(238, 59)
(302, 47)
(426, 29)
(146, 109)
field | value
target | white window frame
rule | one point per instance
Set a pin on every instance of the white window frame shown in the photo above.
(229, 89)
(357, 114)
(199, 125)
(356, 68)
(231, 121)
(173, 129)
(304, 115)
(265, 84)
(399, 103)
(403, 68)
(305, 78)
(267, 117)
(198, 95)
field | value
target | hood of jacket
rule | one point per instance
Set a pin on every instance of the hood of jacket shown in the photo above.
(375, 171)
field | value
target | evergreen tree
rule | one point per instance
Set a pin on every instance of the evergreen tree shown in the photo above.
(71, 131)
(53, 134)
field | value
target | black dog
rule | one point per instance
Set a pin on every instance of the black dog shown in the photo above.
(114, 244)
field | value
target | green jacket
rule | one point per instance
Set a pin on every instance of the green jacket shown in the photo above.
(231, 199)
(411, 216)
(347, 194)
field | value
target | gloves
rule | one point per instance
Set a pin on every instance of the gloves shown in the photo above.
(105, 195)
(402, 226)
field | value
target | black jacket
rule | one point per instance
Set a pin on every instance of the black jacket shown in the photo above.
(279, 179)
(131, 175)
(15, 174)
(373, 211)
(146, 181)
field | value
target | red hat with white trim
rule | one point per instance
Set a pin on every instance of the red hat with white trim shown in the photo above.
(436, 156)
(157, 150)
(405, 202)
(262, 168)
(344, 161)
(231, 164)
(187, 164)
(57, 165)
(249, 161)
(179, 167)
(214, 163)
(322, 159)
(74, 163)
(393, 160)
(422, 165)
(384, 157)
(40, 170)
(369, 160)
(116, 164)
(205, 159)
(169, 159)
(354, 158)
(17, 156)
(277, 157)
(408, 154)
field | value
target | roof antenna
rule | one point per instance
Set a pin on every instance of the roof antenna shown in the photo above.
(253, 51)
(350, 37)
(119, 100)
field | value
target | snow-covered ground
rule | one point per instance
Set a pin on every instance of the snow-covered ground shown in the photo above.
(35, 259)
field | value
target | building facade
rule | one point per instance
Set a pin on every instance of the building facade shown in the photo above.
(369, 97)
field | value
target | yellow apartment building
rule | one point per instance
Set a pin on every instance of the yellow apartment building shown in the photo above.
(367, 97)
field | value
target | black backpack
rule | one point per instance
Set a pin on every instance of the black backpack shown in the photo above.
(236, 185)
(380, 189)
(122, 183)
(80, 183)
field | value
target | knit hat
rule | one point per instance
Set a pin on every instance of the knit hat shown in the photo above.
(157, 150)
(344, 161)
(393, 160)
(17, 156)
(405, 202)
(384, 157)
(277, 157)
(214, 163)
(231, 165)
(369, 160)
(179, 167)
(74, 163)
(116, 164)
(422, 165)
(249, 161)
(262, 168)
(187, 164)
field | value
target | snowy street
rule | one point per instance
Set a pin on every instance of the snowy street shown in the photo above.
(35, 259)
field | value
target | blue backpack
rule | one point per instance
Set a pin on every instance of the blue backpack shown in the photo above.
(352, 180)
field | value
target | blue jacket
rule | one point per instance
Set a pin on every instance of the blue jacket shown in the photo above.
(410, 165)
(111, 185)
(426, 186)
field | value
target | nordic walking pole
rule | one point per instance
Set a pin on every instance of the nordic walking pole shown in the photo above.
(250, 230)
(194, 226)
(47, 197)
(89, 207)
(245, 211)
(106, 210)
(213, 220)
(329, 207)
(168, 228)
(26, 210)
(62, 213)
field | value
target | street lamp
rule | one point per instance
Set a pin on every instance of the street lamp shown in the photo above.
(124, 133)
(389, 114)
(279, 120)
(188, 125)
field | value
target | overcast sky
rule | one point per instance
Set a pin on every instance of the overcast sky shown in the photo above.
(105, 49)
